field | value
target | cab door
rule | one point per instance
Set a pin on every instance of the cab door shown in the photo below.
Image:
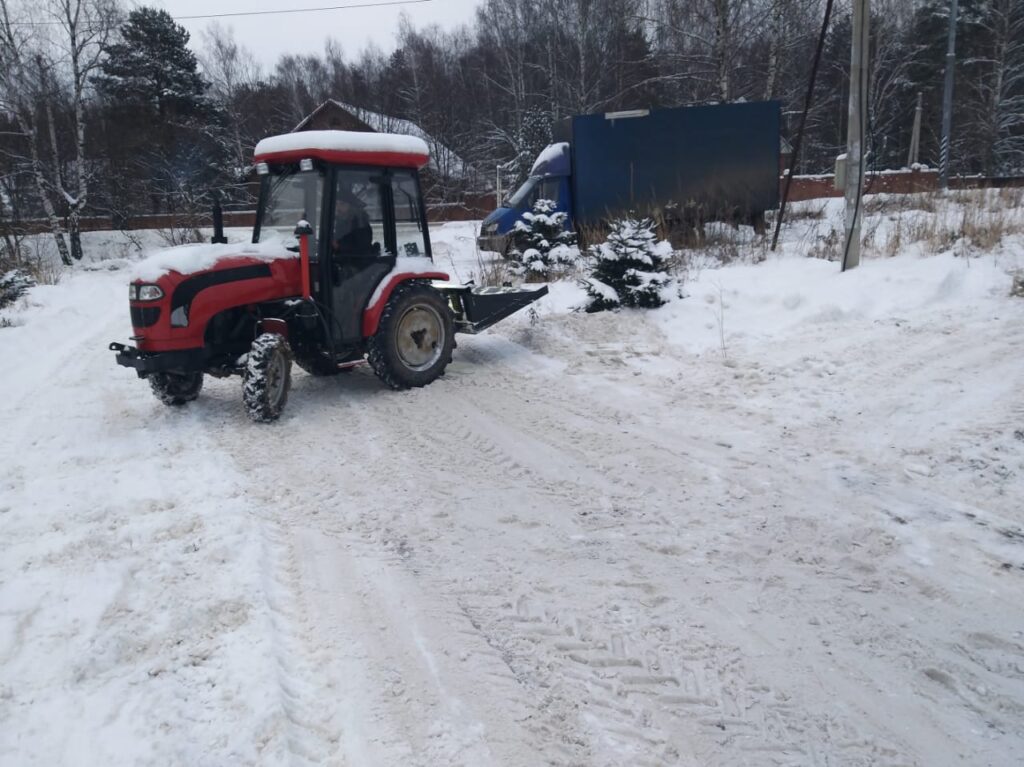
(358, 246)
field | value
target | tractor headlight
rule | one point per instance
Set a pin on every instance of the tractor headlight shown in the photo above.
(133, 292)
(150, 293)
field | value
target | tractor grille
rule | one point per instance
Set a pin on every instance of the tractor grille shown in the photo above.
(144, 316)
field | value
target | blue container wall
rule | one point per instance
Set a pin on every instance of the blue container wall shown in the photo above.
(723, 157)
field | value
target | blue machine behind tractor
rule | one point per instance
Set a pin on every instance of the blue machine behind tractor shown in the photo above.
(697, 164)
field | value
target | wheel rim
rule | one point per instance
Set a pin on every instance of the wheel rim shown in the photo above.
(275, 379)
(421, 337)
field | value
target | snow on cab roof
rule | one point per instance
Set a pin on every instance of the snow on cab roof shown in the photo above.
(345, 146)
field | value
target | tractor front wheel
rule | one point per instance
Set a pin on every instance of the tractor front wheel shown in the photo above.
(414, 340)
(267, 378)
(175, 389)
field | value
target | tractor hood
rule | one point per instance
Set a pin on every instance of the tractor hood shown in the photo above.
(191, 259)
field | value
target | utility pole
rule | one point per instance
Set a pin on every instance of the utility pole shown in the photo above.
(947, 99)
(855, 132)
(915, 136)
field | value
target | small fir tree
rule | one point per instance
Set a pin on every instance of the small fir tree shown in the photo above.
(541, 241)
(13, 285)
(629, 268)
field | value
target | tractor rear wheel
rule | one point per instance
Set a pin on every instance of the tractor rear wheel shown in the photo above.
(414, 340)
(175, 389)
(267, 378)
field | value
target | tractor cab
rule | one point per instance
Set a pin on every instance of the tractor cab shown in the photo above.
(339, 273)
(359, 198)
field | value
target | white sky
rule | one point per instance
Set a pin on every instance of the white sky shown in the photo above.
(268, 37)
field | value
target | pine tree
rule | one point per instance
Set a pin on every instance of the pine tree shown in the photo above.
(153, 69)
(160, 125)
(629, 268)
(542, 241)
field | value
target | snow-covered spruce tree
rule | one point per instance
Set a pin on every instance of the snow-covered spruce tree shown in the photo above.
(629, 267)
(159, 118)
(534, 134)
(13, 285)
(541, 241)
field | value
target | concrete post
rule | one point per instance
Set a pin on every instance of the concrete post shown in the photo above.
(947, 98)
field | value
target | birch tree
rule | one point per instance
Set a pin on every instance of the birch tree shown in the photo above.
(44, 67)
(234, 76)
(997, 116)
(86, 27)
(22, 89)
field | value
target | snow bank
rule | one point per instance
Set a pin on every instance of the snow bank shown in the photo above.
(765, 301)
(134, 616)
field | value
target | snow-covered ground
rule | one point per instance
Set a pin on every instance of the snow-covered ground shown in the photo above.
(776, 522)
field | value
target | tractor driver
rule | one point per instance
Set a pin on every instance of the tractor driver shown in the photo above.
(352, 234)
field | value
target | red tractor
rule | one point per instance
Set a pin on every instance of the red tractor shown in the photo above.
(339, 273)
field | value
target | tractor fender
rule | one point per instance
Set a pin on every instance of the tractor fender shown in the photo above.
(379, 299)
(276, 326)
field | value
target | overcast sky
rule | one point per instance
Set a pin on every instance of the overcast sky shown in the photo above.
(270, 36)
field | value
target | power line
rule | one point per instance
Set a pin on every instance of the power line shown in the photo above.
(274, 12)
(299, 10)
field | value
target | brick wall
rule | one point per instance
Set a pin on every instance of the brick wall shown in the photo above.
(893, 182)
(887, 182)
(472, 207)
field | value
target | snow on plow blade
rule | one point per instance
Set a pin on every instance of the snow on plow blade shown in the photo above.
(476, 309)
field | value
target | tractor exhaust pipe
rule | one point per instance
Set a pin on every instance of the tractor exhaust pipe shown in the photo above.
(218, 223)
(303, 230)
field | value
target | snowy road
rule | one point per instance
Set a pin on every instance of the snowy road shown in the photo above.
(591, 543)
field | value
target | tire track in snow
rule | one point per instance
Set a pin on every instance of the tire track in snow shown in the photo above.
(649, 679)
(605, 670)
(422, 715)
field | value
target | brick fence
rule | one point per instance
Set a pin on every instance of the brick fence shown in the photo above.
(473, 207)
(893, 182)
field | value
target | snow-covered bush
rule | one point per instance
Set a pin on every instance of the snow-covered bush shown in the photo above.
(630, 267)
(1017, 290)
(13, 285)
(541, 242)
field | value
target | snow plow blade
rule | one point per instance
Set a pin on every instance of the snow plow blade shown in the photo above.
(477, 309)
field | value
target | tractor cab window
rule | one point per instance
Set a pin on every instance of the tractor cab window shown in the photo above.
(357, 226)
(289, 197)
(408, 214)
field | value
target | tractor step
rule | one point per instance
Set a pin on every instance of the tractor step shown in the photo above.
(483, 307)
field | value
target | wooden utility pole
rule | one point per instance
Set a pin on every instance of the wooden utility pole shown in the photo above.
(947, 98)
(855, 132)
